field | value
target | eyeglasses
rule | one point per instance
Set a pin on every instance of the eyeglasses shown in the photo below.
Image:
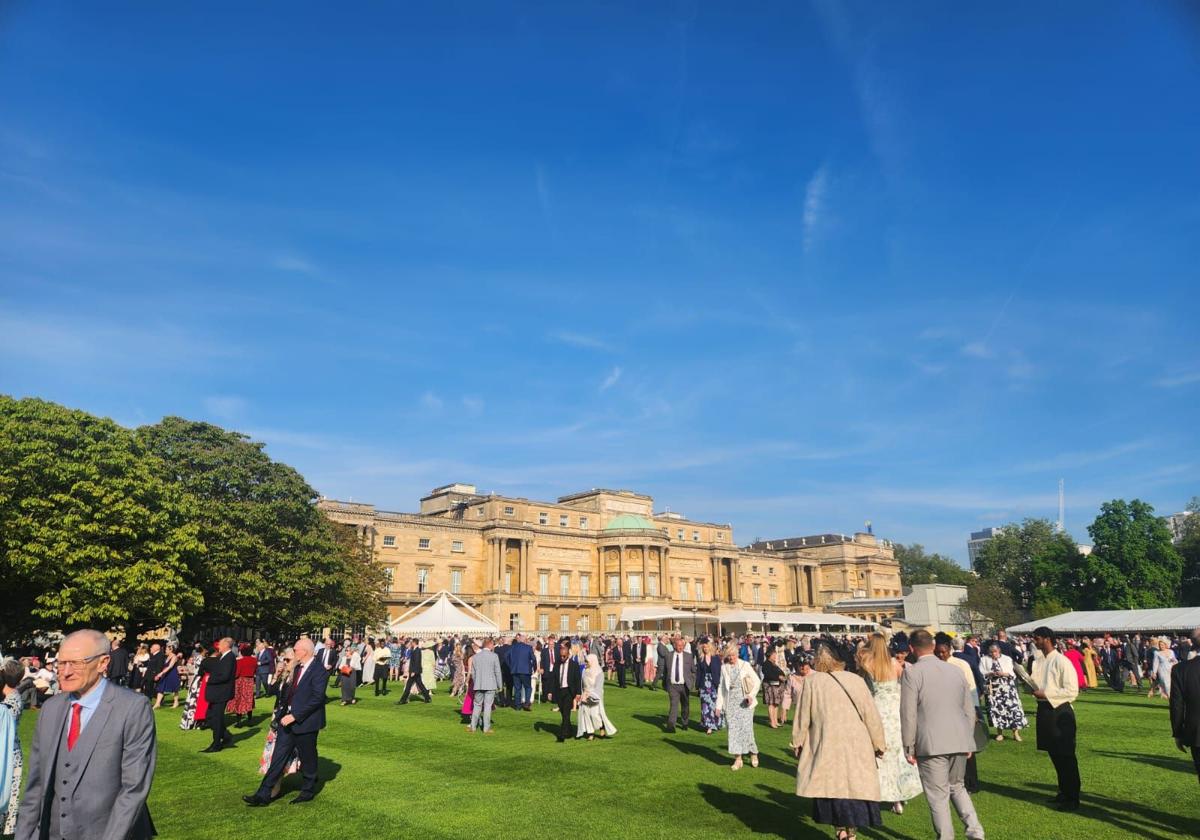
(78, 663)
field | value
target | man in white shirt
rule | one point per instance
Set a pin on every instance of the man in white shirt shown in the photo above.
(1057, 688)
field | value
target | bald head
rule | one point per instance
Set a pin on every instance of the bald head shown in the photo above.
(89, 642)
(82, 660)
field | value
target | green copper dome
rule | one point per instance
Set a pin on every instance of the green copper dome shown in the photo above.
(630, 522)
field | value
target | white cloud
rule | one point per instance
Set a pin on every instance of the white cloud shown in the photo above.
(1075, 460)
(225, 407)
(579, 340)
(1179, 380)
(294, 263)
(814, 205)
(978, 350)
(473, 405)
(431, 401)
(613, 377)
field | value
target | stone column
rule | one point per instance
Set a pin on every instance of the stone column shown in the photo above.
(716, 578)
(736, 581)
(621, 587)
(645, 571)
(526, 563)
(664, 576)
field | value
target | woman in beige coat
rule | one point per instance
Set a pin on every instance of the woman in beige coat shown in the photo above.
(837, 735)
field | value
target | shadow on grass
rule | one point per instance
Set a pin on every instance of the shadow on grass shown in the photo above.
(1183, 765)
(1114, 812)
(762, 816)
(720, 756)
(659, 722)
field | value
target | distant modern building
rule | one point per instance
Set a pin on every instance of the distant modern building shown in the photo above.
(979, 540)
(1175, 523)
(930, 606)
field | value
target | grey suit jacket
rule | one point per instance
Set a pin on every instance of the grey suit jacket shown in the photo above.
(936, 713)
(485, 671)
(689, 668)
(114, 756)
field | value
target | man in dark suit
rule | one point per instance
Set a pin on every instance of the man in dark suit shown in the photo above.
(89, 773)
(546, 665)
(679, 668)
(638, 659)
(265, 655)
(414, 675)
(1185, 705)
(118, 664)
(521, 666)
(218, 693)
(154, 666)
(299, 717)
(619, 655)
(566, 681)
(501, 652)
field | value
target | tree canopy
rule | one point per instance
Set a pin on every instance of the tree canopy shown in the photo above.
(1189, 550)
(172, 523)
(918, 567)
(1133, 564)
(1033, 562)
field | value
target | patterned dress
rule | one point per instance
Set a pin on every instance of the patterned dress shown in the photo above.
(190, 718)
(740, 721)
(710, 718)
(264, 763)
(1004, 703)
(13, 703)
(899, 781)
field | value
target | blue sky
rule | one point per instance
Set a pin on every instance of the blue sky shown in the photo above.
(793, 266)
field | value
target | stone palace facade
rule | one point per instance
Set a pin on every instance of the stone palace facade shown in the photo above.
(591, 561)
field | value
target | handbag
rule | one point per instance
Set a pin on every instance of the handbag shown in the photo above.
(344, 670)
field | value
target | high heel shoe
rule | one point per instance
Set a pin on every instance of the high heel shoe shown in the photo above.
(753, 759)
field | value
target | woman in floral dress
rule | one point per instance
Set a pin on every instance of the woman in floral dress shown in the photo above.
(11, 761)
(737, 695)
(708, 670)
(899, 781)
(283, 676)
(1004, 703)
(192, 717)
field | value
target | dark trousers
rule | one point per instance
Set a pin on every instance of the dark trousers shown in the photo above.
(680, 705)
(1196, 760)
(1067, 768)
(621, 674)
(381, 679)
(349, 684)
(507, 695)
(260, 684)
(415, 679)
(305, 746)
(971, 776)
(565, 704)
(215, 718)
(637, 674)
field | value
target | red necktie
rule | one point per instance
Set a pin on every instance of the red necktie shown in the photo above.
(295, 682)
(73, 731)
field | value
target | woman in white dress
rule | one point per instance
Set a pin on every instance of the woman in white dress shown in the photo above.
(899, 781)
(593, 720)
(429, 666)
(736, 698)
(368, 662)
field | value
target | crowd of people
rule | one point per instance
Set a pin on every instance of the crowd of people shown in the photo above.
(875, 720)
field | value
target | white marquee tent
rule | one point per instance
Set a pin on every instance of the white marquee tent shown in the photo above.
(1179, 619)
(795, 619)
(440, 617)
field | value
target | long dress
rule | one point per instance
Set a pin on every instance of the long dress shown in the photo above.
(1076, 659)
(592, 717)
(738, 719)
(899, 781)
(429, 667)
(460, 675)
(1090, 663)
(243, 687)
(11, 760)
(368, 666)
(191, 719)
(1004, 703)
(264, 762)
(1160, 669)
(169, 684)
(710, 717)
(650, 668)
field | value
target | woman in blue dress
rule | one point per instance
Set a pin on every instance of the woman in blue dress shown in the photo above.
(708, 679)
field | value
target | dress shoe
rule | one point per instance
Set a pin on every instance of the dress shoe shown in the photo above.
(401, 702)
(1056, 800)
(1068, 805)
(254, 802)
(670, 729)
(211, 748)
(304, 797)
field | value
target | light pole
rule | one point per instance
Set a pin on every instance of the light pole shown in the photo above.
(693, 623)
(764, 622)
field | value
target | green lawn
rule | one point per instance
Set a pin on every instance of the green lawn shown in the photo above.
(413, 771)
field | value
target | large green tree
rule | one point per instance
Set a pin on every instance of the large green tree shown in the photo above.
(1035, 563)
(1189, 550)
(273, 560)
(90, 532)
(988, 607)
(1133, 564)
(918, 567)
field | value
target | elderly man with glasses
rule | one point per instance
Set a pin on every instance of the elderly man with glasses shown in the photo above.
(93, 757)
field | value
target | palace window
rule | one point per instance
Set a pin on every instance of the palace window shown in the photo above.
(683, 590)
(771, 570)
(679, 534)
(543, 583)
(773, 594)
(514, 621)
(612, 621)
(456, 546)
(758, 593)
(564, 584)
(720, 536)
(508, 510)
(754, 570)
(508, 580)
(543, 518)
(423, 543)
(583, 522)
(635, 586)
(543, 622)
(614, 586)
(563, 520)
(699, 590)
(564, 623)
(456, 581)
(585, 624)
(585, 585)
(695, 536)
(387, 579)
(479, 512)
(422, 580)
(389, 541)
(651, 584)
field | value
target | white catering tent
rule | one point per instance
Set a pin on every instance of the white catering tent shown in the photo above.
(442, 618)
(1179, 619)
(794, 619)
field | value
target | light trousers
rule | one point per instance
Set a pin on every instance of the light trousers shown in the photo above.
(481, 704)
(942, 778)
